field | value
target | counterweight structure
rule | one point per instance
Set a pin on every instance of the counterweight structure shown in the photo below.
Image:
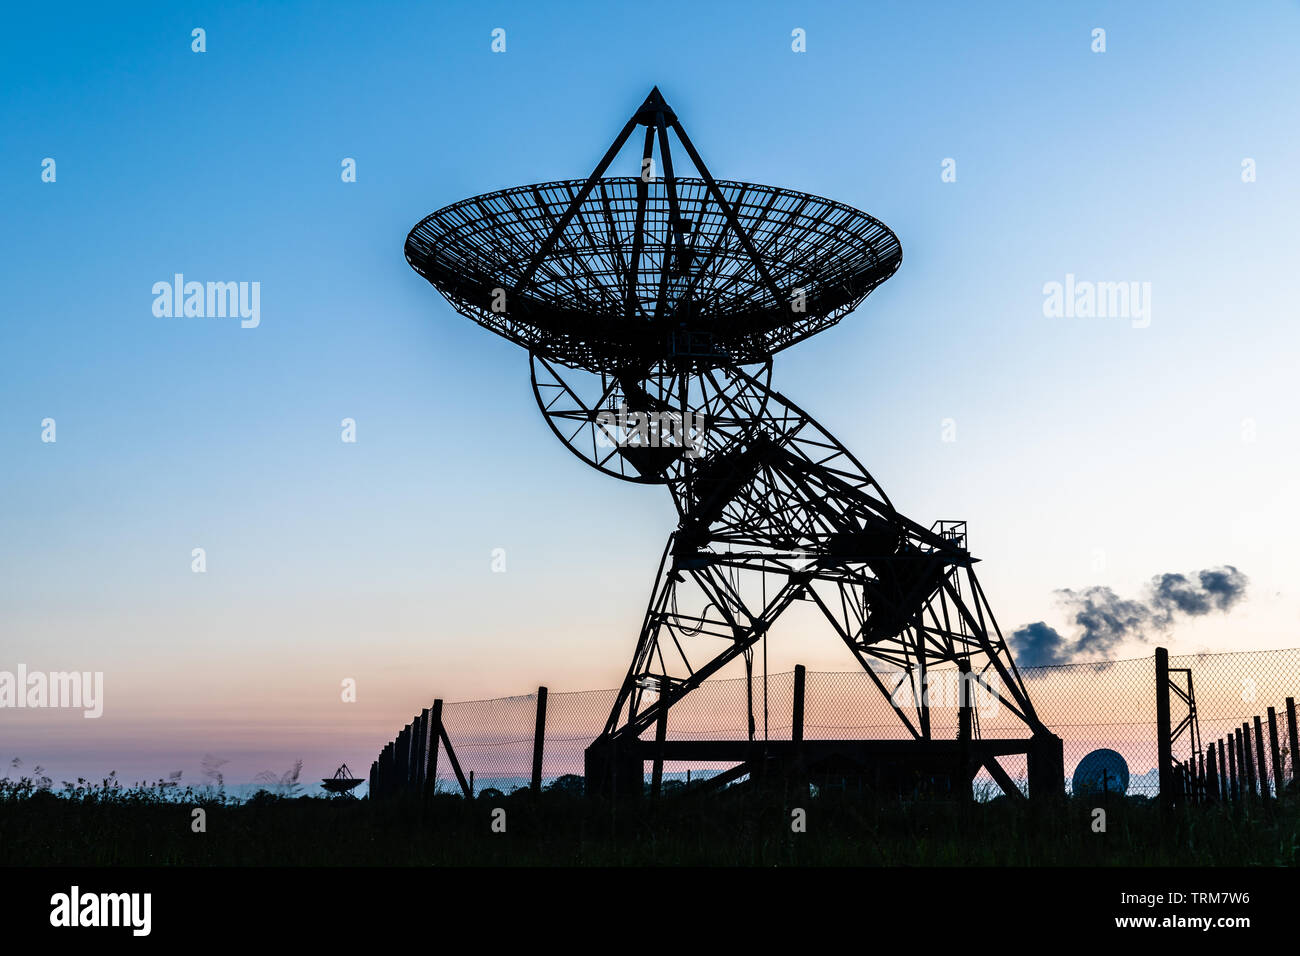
(651, 307)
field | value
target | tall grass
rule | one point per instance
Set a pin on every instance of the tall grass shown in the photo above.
(106, 823)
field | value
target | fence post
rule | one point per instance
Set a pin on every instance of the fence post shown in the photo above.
(1225, 785)
(1249, 756)
(1243, 776)
(410, 752)
(1220, 770)
(435, 731)
(965, 726)
(1238, 771)
(539, 740)
(388, 763)
(1234, 786)
(417, 753)
(1295, 742)
(1212, 775)
(1263, 761)
(796, 722)
(394, 777)
(661, 731)
(1206, 793)
(421, 749)
(404, 757)
(1242, 783)
(1279, 780)
(796, 726)
(1164, 744)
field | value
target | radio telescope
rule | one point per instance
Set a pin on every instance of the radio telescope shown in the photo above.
(651, 308)
(342, 783)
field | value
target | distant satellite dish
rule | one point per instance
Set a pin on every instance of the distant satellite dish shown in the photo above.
(1102, 771)
(342, 783)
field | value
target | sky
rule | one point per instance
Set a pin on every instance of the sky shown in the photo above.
(1083, 451)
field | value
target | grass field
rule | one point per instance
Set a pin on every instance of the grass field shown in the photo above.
(110, 825)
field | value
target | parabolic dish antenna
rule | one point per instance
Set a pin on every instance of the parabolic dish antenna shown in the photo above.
(342, 783)
(650, 308)
(1102, 771)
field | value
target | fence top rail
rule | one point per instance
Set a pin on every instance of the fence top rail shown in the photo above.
(1041, 668)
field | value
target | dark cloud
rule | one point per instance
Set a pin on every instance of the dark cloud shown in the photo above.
(1105, 620)
(1038, 645)
(1227, 585)
(1218, 589)
(1174, 592)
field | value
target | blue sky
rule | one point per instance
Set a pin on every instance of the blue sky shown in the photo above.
(1088, 452)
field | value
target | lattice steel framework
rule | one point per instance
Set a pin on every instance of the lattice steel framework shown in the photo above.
(651, 308)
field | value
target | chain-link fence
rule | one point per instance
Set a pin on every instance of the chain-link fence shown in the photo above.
(1107, 704)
